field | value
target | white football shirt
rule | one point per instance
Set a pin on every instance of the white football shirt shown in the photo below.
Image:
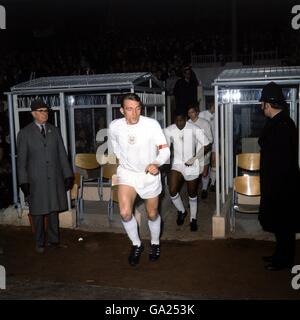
(137, 145)
(186, 142)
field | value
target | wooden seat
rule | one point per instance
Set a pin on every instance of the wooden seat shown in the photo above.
(109, 173)
(246, 187)
(248, 161)
(106, 162)
(86, 162)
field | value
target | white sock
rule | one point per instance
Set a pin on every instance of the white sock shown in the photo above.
(212, 175)
(154, 227)
(131, 228)
(205, 181)
(178, 203)
(193, 208)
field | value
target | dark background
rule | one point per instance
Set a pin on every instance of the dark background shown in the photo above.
(67, 16)
(73, 37)
(69, 37)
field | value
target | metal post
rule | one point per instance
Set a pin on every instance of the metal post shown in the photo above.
(63, 119)
(218, 211)
(230, 128)
(55, 119)
(222, 155)
(164, 108)
(93, 128)
(109, 113)
(169, 108)
(63, 128)
(293, 108)
(72, 134)
(226, 148)
(16, 113)
(13, 150)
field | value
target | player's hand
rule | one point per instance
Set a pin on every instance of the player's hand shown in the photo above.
(190, 162)
(152, 168)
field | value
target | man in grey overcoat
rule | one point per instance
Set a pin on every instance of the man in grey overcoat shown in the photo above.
(44, 174)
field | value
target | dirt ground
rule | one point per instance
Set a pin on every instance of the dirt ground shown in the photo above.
(97, 268)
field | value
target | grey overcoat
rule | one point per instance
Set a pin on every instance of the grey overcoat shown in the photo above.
(43, 163)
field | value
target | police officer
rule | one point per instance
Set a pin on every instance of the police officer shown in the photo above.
(279, 178)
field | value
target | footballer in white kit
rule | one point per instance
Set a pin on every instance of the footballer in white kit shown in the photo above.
(209, 115)
(186, 143)
(140, 145)
(193, 113)
(206, 127)
(190, 144)
(136, 146)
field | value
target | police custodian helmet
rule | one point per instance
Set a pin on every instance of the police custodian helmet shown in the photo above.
(272, 93)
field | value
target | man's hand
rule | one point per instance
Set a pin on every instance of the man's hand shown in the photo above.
(25, 187)
(152, 168)
(190, 162)
(69, 181)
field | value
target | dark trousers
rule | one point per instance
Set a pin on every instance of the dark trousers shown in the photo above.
(285, 248)
(52, 229)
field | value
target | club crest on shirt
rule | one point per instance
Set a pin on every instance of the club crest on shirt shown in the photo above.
(131, 139)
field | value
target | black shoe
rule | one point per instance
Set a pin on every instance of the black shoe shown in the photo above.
(180, 217)
(53, 245)
(267, 259)
(193, 225)
(154, 252)
(135, 253)
(204, 194)
(278, 266)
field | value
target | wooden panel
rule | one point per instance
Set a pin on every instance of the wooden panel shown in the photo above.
(247, 185)
(108, 170)
(253, 200)
(86, 161)
(248, 161)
